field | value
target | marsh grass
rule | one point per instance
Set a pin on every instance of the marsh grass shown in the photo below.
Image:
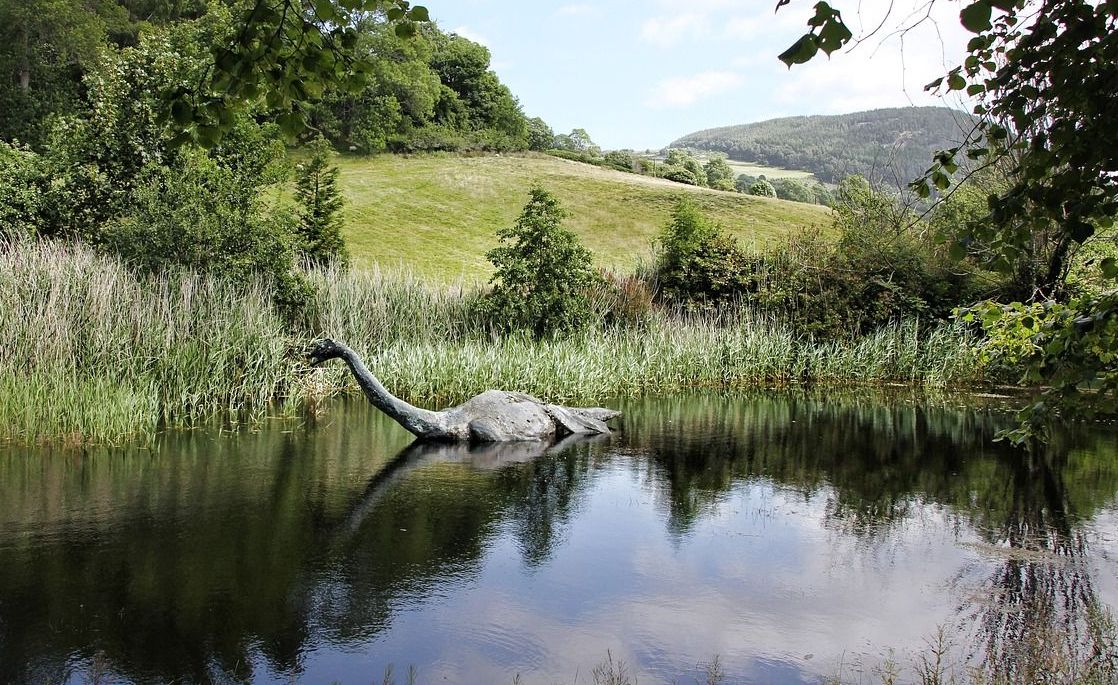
(91, 352)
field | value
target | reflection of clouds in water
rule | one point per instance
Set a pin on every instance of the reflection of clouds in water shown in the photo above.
(760, 602)
(1103, 533)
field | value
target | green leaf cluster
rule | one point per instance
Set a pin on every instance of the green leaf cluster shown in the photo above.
(283, 54)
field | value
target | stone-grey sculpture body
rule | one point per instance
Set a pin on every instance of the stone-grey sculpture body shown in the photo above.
(492, 416)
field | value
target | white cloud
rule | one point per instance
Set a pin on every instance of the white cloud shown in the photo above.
(576, 10)
(469, 34)
(745, 27)
(669, 30)
(681, 92)
(888, 69)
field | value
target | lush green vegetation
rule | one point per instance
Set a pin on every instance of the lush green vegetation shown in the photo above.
(1052, 145)
(427, 91)
(92, 351)
(170, 179)
(542, 276)
(693, 168)
(885, 266)
(890, 146)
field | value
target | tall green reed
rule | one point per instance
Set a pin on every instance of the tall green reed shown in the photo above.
(91, 352)
(670, 355)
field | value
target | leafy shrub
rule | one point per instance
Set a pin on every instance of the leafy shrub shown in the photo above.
(762, 188)
(791, 189)
(698, 262)
(543, 273)
(202, 217)
(1075, 357)
(743, 182)
(584, 157)
(882, 269)
(622, 160)
(683, 158)
(540, 135)
(21, 194)
(680, 175)
(719, 174)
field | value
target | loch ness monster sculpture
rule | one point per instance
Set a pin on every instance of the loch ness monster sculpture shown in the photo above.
(492, 416)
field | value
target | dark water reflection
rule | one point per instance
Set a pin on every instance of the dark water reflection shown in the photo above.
(784, 534)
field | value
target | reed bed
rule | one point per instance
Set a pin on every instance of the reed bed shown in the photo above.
(668, 356)
(91, 352)
(88, 351)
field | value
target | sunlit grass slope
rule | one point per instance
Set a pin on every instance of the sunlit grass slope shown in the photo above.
(438, 215)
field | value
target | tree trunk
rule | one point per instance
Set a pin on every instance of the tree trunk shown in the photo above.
(25, 64)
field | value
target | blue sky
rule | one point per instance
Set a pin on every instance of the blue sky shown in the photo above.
(640, 74)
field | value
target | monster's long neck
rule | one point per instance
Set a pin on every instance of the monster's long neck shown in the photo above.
(421, 422)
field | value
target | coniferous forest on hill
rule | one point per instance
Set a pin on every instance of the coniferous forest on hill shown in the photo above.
(891, 146)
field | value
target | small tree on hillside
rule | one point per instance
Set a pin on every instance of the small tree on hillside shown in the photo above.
(762, 188)
(540, 135)
(743, 182)
(543, 273)
(697, 261)
(720, 175)
(320, 207)
(681, 158)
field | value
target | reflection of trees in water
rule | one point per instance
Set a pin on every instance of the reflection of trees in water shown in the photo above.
(184, 568)
(875, 463)
(1039, 611)
(870, 459)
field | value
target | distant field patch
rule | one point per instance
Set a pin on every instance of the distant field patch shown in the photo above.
(768, 171)
(437, 215)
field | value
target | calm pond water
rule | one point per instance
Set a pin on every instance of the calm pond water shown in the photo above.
(790, 536)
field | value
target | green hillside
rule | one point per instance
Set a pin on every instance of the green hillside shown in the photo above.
(437, 215)
(889, 145)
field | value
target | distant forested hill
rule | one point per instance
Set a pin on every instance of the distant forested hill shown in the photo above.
(888, 145)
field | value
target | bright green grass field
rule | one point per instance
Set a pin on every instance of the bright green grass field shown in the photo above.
(437, 215)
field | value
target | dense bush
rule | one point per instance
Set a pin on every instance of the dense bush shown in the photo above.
(540, 135)
(622, 160)
(791, 189)
(719, 175)
(880, 270)
(21, 194)
(762, 188)
(543, 274)
(201, 216)
(677, 158)
(698, 264)
(680, 175)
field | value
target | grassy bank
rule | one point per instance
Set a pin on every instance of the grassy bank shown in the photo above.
(90, 352)
(401, 210)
